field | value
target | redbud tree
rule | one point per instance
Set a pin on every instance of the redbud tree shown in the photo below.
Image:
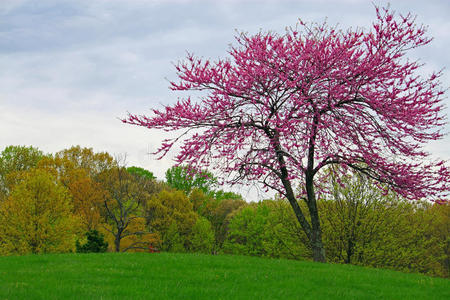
(281, 108)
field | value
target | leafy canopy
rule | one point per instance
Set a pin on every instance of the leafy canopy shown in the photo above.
(37, 216)
(15, 159)
(186, 178)
(141, 172)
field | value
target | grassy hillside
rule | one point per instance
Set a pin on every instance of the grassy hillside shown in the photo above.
(190, 276)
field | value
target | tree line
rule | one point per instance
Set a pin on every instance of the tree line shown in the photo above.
(72, 199)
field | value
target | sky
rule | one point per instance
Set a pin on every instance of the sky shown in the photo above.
(69, 70)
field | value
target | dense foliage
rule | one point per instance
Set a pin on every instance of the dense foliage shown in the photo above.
(79, 200)
(37, 217)
(186, 179)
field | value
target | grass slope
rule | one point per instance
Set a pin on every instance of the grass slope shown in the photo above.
(191, 276)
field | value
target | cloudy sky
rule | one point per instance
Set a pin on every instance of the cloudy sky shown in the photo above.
(70, 69)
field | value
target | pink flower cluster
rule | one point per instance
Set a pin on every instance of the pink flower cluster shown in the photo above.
(282, 107)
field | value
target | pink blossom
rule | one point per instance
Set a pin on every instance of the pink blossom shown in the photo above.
(280, 108)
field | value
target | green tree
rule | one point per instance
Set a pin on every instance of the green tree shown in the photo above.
(267, 228)
(185, 178)
(172, 240)
(37, 216)
(246, 231)
(202, 237)
(284, 238)
(216, 208)
(141, 172)
(146, 181)
(350, 212)
(87, 198)
(223, 195)
(220, 218)
(202, 203)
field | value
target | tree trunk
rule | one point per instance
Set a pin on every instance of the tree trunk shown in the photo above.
(350, 246)
(317, 246)
(316, 232)
(117, 242)
(313, 230)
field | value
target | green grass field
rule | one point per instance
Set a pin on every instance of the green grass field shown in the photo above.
(191, 276)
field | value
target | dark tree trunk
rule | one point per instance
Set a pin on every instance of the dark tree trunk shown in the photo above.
(117, 244)
(312, 230)
(317, 246)
(316, 232)
(350, 246)
(118, 238)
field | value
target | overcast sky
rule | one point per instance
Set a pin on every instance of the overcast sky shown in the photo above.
(70, 69)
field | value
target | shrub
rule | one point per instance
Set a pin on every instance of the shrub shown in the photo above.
(95, 243)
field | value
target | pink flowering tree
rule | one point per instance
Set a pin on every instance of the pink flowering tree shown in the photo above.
(280, 108)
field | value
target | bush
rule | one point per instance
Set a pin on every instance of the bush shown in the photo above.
(95, 243)
(267, 228)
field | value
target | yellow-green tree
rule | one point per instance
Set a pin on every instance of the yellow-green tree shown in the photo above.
(170, 213)
(37, 217)
(141, 239)
(220, 218)
(77, 169)
(441, 230)
(85, 158)
(123, 211)
(362, 225)
(87, 198)
(15, 159)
